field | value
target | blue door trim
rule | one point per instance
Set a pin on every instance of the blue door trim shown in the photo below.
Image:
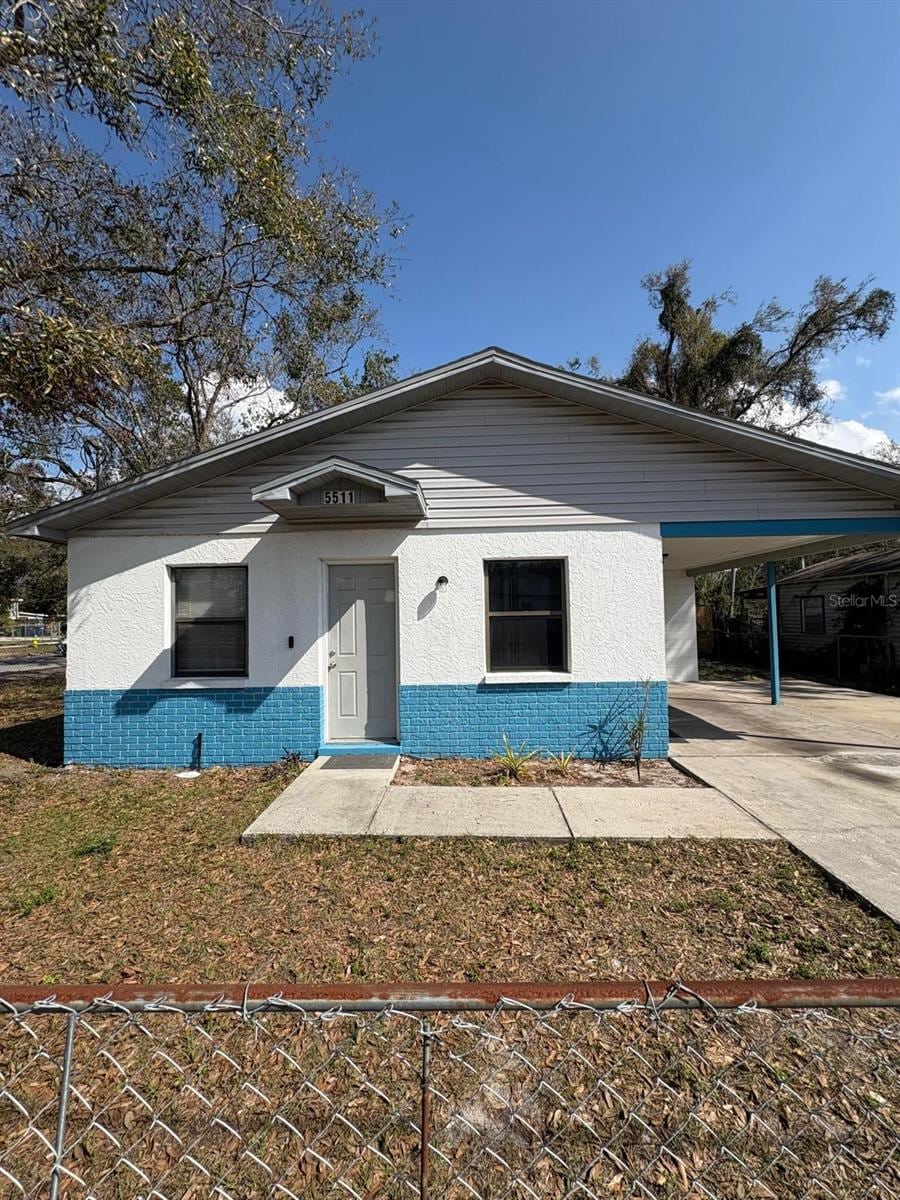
(815, 525)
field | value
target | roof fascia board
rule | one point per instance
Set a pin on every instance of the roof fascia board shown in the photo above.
(876, 526)
(29, 528)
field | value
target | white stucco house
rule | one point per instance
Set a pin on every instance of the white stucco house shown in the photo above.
(494, 546)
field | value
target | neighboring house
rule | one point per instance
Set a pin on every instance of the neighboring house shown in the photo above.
(841, 618)
(495, 546)
(29, 624)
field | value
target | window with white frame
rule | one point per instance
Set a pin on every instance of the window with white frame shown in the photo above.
(210, 619)
(812, 614)
(526, 614)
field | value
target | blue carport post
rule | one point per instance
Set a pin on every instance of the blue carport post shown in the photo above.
(772, 617)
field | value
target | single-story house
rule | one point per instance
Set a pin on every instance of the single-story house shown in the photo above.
(492, 547)
(841, 618)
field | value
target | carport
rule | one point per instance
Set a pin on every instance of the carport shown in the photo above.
(692, 548)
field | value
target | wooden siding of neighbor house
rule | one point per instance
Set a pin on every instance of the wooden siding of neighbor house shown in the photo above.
(495, 455)
(820, 649)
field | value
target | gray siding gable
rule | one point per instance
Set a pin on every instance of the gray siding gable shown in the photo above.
(495, 454)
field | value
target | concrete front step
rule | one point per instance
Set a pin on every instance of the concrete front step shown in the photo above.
(340, 749)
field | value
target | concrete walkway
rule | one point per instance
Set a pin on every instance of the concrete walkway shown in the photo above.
(333, 795)
(822, 770)
(353, 797)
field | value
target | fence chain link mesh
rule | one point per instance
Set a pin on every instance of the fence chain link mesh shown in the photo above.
(274, 1099)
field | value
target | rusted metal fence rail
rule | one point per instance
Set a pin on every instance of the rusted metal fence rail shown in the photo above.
(697, 1089)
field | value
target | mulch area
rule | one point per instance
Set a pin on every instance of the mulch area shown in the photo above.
(109, 876)
(486, 772)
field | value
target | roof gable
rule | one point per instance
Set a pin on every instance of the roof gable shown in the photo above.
(491, 364)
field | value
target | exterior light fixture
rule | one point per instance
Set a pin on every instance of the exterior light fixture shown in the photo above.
(441, 583)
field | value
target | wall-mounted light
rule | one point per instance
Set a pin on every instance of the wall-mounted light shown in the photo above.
(441, 583)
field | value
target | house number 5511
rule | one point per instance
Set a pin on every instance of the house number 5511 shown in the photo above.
(343, 496)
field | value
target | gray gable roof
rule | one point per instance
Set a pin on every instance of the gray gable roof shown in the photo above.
(849, 566)
(491, 364)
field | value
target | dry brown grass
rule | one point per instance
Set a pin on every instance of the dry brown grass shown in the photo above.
(116, 875)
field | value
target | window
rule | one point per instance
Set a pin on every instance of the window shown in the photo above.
(812, 614)
(210, 621)
(526, 621)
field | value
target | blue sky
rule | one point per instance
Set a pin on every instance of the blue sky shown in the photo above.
(550, 154)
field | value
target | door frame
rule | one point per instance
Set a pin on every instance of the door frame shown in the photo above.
(324, 628)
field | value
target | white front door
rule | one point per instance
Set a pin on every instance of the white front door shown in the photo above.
(362, 652)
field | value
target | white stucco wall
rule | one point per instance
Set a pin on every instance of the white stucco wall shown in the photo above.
(681, 627)
(120, 603)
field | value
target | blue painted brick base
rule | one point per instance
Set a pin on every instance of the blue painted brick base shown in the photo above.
(469, 720)
(241, 726)
(158, 727)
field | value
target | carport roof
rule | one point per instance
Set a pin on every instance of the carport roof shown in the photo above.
(488, 365)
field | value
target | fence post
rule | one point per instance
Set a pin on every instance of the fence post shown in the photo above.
(63, 1104)
(425, 1114)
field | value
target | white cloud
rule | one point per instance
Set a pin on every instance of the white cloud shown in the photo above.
(846, 435)
(862, 361)
(889, 400)
(833, 389)
(852, 435)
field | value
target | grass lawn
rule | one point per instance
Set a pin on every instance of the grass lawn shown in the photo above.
(137, 875)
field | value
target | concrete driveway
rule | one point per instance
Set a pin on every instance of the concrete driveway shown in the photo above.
(822, 770)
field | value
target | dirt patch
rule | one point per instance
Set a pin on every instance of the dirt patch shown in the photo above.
(484, 772)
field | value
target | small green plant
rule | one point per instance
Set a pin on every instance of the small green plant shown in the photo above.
(289, 765)
(100, 846)
(562, 762)
(514, 759)
(758, 953)
(26, 903)
(636, 728)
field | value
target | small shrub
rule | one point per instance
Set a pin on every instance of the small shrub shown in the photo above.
(290, 764)
(562, 762)
(26, 903)
(102, 845)
(514, 759)
(636, 729)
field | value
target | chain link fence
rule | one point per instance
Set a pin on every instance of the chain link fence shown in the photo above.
(701, 1090)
